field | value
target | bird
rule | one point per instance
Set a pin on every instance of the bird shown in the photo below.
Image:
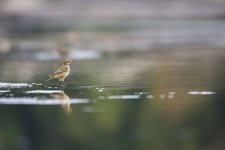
(62, 72)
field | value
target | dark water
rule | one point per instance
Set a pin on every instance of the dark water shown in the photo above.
(145, 75)
(164, 99)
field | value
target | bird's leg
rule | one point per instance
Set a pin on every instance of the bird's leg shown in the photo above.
(62, 84)
(63, 87)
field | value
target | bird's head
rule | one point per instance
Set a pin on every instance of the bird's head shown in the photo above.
(67, 61)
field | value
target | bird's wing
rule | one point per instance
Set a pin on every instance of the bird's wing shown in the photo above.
(62, 70)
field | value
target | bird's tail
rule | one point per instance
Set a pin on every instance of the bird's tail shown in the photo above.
(51, 77)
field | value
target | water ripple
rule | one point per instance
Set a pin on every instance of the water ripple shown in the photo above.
(35, 101)
(43, 91)
(2, 84)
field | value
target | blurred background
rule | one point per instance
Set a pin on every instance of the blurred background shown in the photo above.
(146, 74)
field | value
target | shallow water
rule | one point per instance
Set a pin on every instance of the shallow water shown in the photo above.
(157, 99)
(145, 75)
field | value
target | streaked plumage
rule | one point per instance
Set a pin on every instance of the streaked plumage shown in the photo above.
(62, 72)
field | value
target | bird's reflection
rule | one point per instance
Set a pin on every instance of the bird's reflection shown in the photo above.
(62, 96)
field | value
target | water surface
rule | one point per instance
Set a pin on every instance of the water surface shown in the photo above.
(158, 99)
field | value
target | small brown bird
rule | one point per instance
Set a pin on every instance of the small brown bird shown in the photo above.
(62, 72)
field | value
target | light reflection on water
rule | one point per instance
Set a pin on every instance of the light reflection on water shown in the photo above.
(140, 99)
(28, 96)
(35, 101)
(141, 78)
